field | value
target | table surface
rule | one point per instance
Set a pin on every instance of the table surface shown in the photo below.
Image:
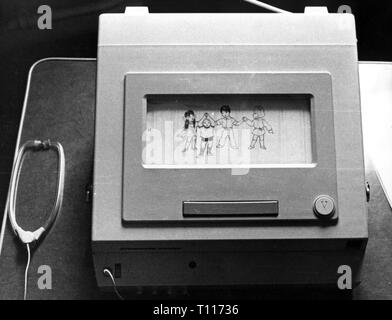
(61, 107)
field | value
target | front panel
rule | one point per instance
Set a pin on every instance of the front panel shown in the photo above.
(229, 146)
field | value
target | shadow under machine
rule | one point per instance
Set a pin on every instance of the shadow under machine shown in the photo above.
(228, 150)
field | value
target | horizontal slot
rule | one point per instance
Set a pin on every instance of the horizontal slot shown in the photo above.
(202, 209)
(151, 249)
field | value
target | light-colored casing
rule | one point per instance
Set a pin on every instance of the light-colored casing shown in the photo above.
(227, 254)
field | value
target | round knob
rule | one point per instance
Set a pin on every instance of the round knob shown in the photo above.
(324, 206)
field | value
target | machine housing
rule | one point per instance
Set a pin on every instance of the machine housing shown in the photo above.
(168, 223)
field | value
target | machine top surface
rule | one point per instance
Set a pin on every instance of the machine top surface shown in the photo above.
(227, 29)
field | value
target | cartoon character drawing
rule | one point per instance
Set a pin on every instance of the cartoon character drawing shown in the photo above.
(227, 122)
(206, 127)
(189, 133)
(260, 126)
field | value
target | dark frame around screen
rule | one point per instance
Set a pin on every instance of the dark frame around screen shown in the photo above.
(294, 186)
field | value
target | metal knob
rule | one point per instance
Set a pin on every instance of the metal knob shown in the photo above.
(324, 206)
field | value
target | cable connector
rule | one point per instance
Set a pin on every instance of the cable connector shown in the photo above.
(28, 237)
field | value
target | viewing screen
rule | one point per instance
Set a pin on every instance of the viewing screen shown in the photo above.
(224, 130)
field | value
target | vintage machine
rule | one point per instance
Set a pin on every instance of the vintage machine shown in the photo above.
(228, 150)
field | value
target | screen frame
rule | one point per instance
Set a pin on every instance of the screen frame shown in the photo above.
(317, 178)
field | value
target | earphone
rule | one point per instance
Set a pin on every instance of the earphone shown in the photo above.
(29, 237)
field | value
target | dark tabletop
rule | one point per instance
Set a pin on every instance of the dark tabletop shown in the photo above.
(61, 107)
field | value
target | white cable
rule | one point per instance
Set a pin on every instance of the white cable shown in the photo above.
(3, 224)
(26, 272)
(108, 273)
(267, 6)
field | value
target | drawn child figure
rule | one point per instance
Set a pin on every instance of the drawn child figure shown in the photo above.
(227, 122)
(206, 129)
(189, 133)
(260, 126)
